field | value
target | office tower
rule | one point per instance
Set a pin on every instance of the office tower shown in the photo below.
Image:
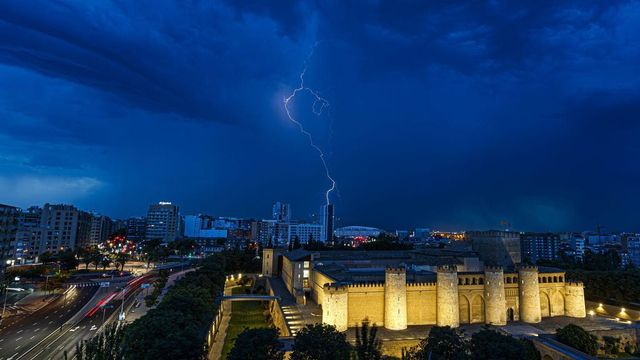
(327, 223)
(59, 225)
(281, 211)
(496, 247)
(136, 228)
(539, 246)
(85, 221)
(163, 222)
(304, 232)
(28, 236)
(101, 228)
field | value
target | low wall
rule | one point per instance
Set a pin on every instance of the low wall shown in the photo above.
(613, 311)
(215, 326)
(277, 315)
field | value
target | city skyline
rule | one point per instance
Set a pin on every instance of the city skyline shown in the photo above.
(459, 117)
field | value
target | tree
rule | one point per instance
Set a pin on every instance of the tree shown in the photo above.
(257, 344)
(578, 338)
(68, 259)
(442, 343)
(105, 262)
(320, 342)
(183, 247)
(368, 346)
(120, 259)
(492, 345)
(151, 250)
(47, 257)
(107, 345)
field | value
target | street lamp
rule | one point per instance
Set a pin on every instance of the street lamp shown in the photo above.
(6, 290)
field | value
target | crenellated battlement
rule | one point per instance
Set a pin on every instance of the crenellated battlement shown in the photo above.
(335, 288)
(447, 268)
(574, 283)
(421, 284)
(491, 268)
(395, 269)
(527, 268)
(360, 285)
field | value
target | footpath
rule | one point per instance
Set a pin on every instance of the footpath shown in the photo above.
(30, 303)
(216, 349)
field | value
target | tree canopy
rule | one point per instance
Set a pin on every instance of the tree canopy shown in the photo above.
(257, 344)
(320, 342)
(578, 338)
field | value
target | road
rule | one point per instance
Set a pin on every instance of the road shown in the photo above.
(86, 328)
(18, 337)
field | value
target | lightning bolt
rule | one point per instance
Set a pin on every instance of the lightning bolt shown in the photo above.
(319, 105)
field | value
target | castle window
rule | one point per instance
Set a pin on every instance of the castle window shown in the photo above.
(473, 281)
(459, 281)
(508, 280)
(560, 278)
(481, 281)
(555, 279)
(466, 281)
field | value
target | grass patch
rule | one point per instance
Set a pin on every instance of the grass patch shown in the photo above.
(244, 314)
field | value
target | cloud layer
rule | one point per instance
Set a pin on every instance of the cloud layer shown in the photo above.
(444, 114)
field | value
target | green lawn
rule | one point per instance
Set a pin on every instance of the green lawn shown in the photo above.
(243, 314)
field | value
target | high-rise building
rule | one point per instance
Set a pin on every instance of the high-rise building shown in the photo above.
(101, 228)
(136, 228)
(327, 223)
(59, 225)
(28, 236)
(539, 246)
(271, 230)
(304, 232)
(496, 247)
(85, 222)
(202, 226)
(281, 211)
(163, 222)
(8, 231)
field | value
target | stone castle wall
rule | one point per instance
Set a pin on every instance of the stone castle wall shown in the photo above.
(492, 297)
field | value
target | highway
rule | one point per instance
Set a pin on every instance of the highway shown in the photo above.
(21, 335)
(86, 328)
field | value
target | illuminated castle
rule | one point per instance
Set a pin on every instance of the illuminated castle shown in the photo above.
(396, 289)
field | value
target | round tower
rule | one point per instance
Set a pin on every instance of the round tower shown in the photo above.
(447, 303)
(529, 292)
(574, 300)
(395, 298)
(494, 299)
(335, 306)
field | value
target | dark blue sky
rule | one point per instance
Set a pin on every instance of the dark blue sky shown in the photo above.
(446, 115)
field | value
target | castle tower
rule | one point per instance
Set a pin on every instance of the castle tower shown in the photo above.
(574, 300)
(529, 294)
(494, 299)
(267, 261)
(335, 306)
(447, 302)
(395, 298)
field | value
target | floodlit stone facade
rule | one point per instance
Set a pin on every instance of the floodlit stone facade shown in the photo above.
(492, 297)
(399, 296)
